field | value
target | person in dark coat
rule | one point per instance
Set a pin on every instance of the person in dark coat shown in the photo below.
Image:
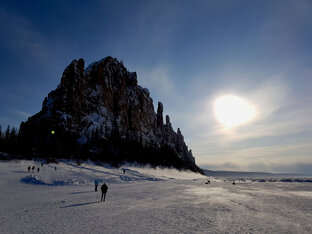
(96, 183)
(104, 191)
(28, 168)
(33, 168)
(38, 169)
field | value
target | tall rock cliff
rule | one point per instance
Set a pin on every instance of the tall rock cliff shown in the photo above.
(100, 112)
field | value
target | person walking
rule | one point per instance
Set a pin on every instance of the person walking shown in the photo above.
(104, 191)
(28, 168)
(96, 183)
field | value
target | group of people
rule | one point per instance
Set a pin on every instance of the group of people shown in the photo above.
(104, 189)
(38, 169)
(33, 168)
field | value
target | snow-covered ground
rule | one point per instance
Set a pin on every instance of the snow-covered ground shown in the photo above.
(145, 200)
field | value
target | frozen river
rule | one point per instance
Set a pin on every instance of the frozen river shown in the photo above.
(146, 201)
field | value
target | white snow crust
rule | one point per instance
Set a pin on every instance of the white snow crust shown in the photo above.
(145, 200)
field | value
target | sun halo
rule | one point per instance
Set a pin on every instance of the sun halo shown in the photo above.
(232, 111)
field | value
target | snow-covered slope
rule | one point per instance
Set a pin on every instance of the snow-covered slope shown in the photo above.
(144, 200)
(71, 173)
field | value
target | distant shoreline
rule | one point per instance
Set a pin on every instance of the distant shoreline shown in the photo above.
(241, 174)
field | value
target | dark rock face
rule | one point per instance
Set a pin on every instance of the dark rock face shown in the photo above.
(101, 113)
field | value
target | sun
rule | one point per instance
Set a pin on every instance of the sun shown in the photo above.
(232, 111)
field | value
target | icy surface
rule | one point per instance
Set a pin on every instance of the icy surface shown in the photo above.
(144, 200)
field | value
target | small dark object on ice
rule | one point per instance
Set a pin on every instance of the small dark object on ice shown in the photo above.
(104, 191)
(55, 168)
(38, 169)
(33, 168)
(28, 168)
(233, 182)
(208, 182)
(124, 171)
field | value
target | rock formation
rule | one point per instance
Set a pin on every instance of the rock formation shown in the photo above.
(102, 113)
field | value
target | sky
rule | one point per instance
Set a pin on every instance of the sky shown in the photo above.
(188, 54)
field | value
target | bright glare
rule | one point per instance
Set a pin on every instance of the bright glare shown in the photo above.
(232, 111)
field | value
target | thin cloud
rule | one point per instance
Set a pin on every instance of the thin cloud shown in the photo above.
(301, 166)
(276, 154)
(278, 117)
(22, 114)
(18, 35)
(286, 23)
(266, 98)
(157, 79)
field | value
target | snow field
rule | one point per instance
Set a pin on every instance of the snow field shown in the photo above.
(145, 200)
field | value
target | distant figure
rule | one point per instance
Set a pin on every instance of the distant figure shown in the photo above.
(38, 169)
(124, 171)
(104, 191)
(28, 168)
(96, 183)
(42, 164)
(233, 182)
(33, 168)
(208, 182)
(55, 168)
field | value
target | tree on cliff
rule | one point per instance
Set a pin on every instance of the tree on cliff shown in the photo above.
(1, 138)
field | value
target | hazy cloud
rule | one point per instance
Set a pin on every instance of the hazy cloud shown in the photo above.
(303, 167)
(158, 81)
(22, 114)
(19, 36)
(279, 115)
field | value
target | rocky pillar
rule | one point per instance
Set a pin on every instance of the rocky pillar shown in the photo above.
(168, 124)
(80, 67)
(160, 121)
(180, 141)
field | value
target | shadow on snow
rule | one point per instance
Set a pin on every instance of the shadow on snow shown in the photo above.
(82, 192)
(81, 204)
(33, 180)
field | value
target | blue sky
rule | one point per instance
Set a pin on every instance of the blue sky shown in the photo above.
(187, 53)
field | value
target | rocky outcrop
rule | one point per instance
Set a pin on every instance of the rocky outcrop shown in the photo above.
(101, 112)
